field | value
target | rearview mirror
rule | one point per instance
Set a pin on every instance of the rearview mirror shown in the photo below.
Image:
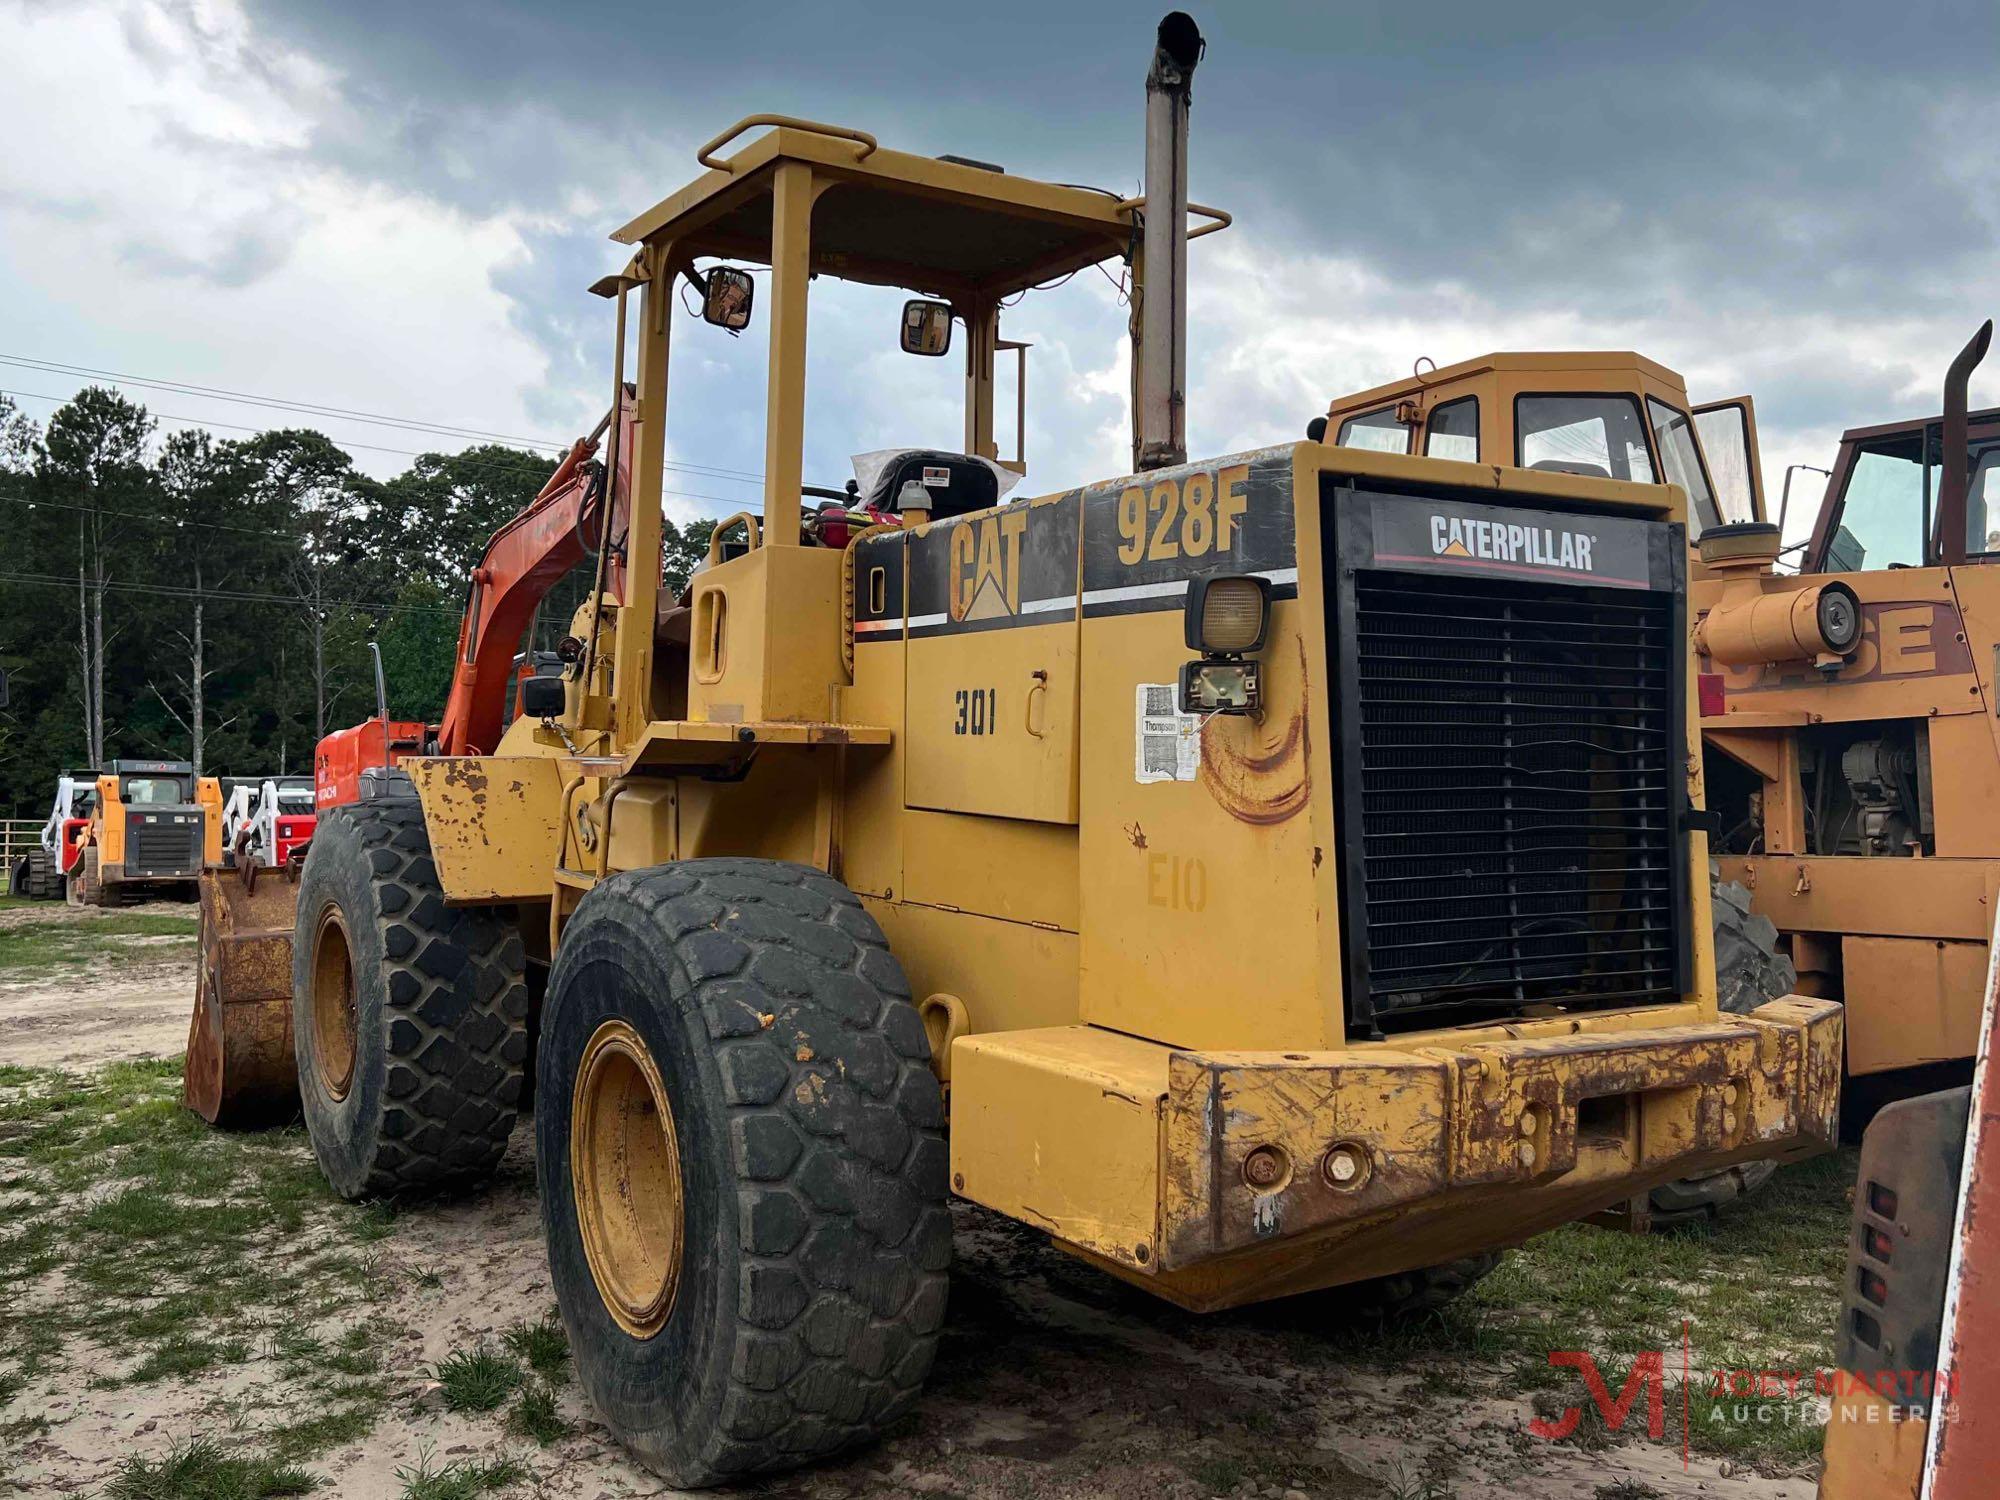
(542, 697)
(727, 298)
(926, 327)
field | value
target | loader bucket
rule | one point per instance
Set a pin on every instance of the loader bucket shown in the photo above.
(239, 1069)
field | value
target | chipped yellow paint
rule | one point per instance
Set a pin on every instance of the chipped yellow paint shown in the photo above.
(494, 824)
(1492, 1139)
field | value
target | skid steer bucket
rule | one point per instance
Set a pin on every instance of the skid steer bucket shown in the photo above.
(239, 1067)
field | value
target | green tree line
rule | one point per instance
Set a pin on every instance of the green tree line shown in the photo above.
(185, 596)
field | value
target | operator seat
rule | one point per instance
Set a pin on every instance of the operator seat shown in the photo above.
(957, 483)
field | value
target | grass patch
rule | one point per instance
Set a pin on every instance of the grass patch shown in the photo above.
(478, 1379)
(1217, 1475)
(201, 1470)
(56, 943)
(182, 1355)
(144, 1247)
(461, 1480)
(534, 1415)
(1758, 1289)
(543, 1344)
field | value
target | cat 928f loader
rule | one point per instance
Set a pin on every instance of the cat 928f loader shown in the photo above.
(1263, 874)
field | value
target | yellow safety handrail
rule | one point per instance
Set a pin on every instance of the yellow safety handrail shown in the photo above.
(1222, 217)
(707, 157)
(750, 528)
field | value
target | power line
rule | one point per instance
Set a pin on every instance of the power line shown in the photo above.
(283, 403)
(494, 465)
(232, 596)
(381, 419)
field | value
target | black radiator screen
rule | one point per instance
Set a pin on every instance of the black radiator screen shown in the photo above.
(1511, 795)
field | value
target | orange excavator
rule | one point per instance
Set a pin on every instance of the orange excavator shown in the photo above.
(240, 1069)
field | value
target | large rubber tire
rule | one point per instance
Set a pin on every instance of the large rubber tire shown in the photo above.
(40, 876)
(811, 1163)
(1749, 970)
(439, 1012)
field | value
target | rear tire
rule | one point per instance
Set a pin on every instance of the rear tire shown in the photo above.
(805, 1174)
(409, 1017)
(1749, 970)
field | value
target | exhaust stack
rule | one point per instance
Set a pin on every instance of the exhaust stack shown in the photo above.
(1159, 403)
(1955, 480)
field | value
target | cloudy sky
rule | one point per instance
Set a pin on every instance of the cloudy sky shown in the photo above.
(395, 208)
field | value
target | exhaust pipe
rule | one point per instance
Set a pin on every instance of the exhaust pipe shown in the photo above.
(1955, 480)
(1159, 405)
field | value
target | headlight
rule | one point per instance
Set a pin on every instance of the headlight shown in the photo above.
(1227, 613)
(1838, 615)
(1226, 617)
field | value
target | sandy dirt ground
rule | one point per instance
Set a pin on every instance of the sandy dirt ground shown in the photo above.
(1053, 1380)
(141, 1009)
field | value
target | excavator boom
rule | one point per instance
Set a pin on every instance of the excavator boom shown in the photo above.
(525, 559)
(240, 1069)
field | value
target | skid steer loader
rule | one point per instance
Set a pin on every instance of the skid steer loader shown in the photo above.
(1265, 874)
(146, 829)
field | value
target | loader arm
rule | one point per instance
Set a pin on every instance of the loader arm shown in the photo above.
(521, 564)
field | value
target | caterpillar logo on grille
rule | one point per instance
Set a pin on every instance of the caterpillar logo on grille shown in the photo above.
(1499, 541)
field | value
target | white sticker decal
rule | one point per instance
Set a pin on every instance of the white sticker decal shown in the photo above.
(1167, 742)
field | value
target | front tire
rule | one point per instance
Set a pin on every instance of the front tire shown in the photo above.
(409, 1017)
(742, 1166)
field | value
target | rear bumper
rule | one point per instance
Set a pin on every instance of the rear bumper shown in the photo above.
(1208, 1175)
(127, 874)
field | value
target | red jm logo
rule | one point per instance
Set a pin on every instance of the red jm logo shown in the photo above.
(1648, 1371)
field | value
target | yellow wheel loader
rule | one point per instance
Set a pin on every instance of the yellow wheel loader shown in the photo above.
(1266, 875)
(1848, 715)
(1612, 415)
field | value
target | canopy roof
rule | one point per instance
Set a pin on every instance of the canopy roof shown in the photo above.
(891, 218)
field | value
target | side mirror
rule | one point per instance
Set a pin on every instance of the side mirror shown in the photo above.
(727, 298)
(542, 697)
(926, 327)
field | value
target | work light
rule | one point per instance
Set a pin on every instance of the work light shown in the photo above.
(1225, 619)
(1227, 613)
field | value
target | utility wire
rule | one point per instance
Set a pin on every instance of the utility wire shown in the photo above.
(380, 419)
(492, 465)
(280, 403)
(231, 596)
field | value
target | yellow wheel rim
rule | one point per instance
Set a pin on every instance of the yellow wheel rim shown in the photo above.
(625, 1170)
(333, 1005)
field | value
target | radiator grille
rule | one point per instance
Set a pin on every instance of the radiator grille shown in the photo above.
(165, 848)
(1516, 756)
